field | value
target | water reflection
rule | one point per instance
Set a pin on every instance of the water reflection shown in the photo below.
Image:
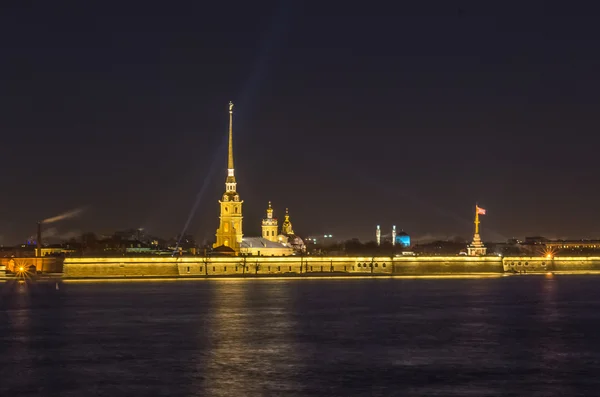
(411, 337)
(251, 351)
(16, 358)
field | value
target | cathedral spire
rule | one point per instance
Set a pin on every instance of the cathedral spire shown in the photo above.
(229, 233)
(230, 157)
(230, 183)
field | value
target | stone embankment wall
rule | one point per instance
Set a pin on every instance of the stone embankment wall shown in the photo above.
(120, 267)
(45, 264)
(556, 264)
(264, 266)
(123, 267)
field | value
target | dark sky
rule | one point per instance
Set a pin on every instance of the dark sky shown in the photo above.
(351, 114)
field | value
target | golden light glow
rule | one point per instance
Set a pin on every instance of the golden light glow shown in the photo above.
(549, 252)
(162, 268)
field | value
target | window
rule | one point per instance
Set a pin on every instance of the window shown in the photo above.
(225, 268)
(383, 265)
(201, 267)
(188, 269)
(236, 210)
(290, 268)
(226, 209)
(226, 227)
(213, 268)
(278, 268)
(269, 268)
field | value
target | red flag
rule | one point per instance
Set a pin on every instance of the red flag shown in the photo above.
(480, 211)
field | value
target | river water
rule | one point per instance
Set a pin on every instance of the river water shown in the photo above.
(506, 336)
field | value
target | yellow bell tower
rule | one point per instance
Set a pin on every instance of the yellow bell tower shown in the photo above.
(286, 227)
(229, 232)
(269, 226)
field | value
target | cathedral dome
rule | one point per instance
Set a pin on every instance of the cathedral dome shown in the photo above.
(296, 243)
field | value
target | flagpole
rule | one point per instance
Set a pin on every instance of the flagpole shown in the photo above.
(476, 219)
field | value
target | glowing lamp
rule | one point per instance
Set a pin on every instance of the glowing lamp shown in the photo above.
(21, 269)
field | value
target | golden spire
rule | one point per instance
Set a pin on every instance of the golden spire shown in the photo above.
(269, 211)
(230, 158)
(286, 227)
(230, 184)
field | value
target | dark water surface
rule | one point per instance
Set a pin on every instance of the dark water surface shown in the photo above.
(510, 336)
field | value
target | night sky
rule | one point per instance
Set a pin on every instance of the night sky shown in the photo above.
(351, 114)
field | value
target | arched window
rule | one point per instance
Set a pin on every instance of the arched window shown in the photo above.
(226, 226)
(236, 210)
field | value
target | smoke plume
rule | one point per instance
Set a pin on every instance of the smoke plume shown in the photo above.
(67, 215)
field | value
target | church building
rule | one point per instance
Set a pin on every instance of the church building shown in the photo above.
(230, 238)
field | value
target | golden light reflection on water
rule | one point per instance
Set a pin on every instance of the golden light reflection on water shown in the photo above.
(551, 346)
(249, 336)
(19, 322)
(276, 278)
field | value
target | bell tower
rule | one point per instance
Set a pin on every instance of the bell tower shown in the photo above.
(229, 232)
(286, 227)
(269, 225)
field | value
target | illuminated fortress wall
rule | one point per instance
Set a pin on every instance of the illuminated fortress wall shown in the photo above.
(315, 266)
(556, 264)
(119, 267)
(447, 265)
(42, 264)
(247, 266)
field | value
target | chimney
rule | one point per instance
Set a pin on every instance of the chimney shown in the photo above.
(39, 239)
